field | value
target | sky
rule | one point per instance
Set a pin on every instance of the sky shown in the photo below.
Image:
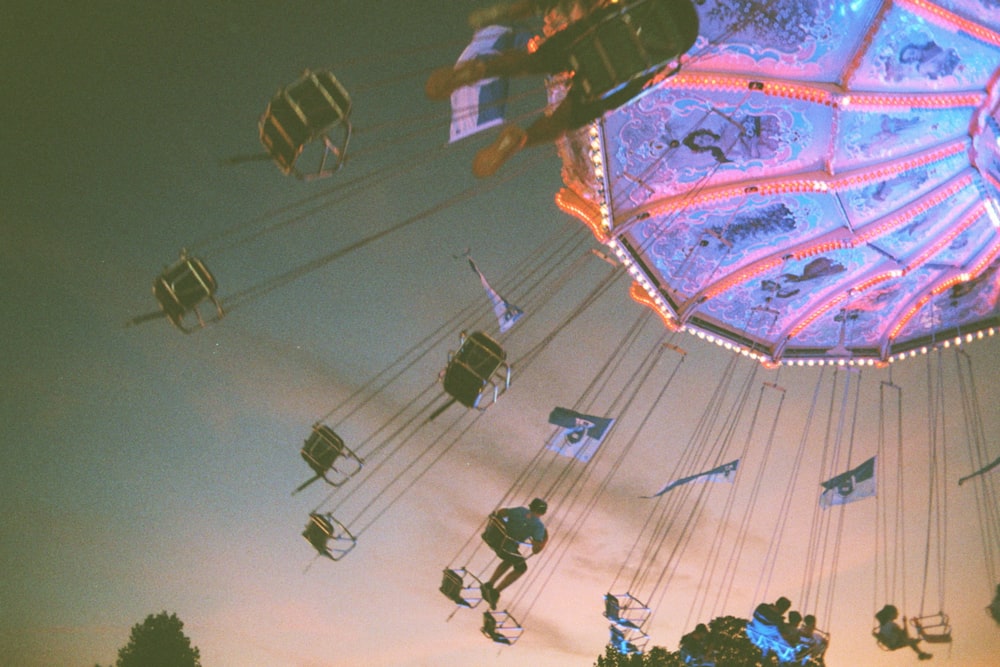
(149, 470)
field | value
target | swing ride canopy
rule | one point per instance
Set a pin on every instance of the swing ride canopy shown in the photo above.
(819, 182)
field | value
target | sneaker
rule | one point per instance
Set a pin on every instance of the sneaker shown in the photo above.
(445, 80)
(488, 160)
(490, 594)
(500, 639)
(459, 600)
(924, 656)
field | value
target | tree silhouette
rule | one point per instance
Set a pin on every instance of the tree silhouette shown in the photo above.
(729, 642)
(159, 641)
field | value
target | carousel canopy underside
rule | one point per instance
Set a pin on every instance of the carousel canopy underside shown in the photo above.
(819, 182)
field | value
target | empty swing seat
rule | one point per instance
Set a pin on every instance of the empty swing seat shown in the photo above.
(628, 43)
(305, 112)
(501, 627)
(328, 536)
(933, 629)
(478, 365)
(461, 587)
(181, 288)
(322, 451)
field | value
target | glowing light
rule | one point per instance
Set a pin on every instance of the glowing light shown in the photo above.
(941, 16)
(642, 297)
(991, 207)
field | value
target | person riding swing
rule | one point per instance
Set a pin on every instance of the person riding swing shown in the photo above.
(894, 636)
(614, 52)
(507, 528)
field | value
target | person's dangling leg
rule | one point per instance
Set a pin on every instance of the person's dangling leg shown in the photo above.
(549, 127)
(498, 572)
(488, 591)
(519, 568)
(512, 138)
(514, 62)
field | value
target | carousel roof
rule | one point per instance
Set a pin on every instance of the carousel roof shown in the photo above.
(819, 182)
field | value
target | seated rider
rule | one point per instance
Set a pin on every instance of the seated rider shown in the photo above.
(520, 525)
(812, 642)
(892, 635)
(790, 630)
(772, 614)
(696, 645)
(579, 107)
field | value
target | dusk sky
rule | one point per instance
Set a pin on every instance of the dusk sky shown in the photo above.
(150, 470)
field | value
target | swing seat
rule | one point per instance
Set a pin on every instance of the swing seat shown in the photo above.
(325, 452)
(768, 639)
(934, 628)
(476, 370)
(181, 288)
(461, 587)
(501, 627)
(328, 536)
(630, 43)
(814, 647)
(883, 644)
(627, 642)
(306, 113)
(625, 611)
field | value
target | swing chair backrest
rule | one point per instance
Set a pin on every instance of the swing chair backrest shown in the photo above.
(181, 288)
(461, 587)
(324, 451)
(321, 449)
(470, 371)
(328, 536)
(612, 608)
(933, 629)
(625, 610)
(630, 42)
(317, 533)
(501, 627)
(306, 110)
(497, 538)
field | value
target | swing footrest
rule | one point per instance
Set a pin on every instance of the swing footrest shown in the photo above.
(934, 629)
(501, 627)
(461, 587)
